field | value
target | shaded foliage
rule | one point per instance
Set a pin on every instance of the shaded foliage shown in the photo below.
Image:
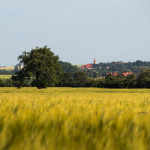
(143, 80)
(67, 80)
(7, 72)
(40, 63)
(80, 79)
(68, 68)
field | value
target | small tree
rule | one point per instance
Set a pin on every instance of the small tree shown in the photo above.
(1, 83)
(40, 63)
(143, 80)
(67, 80)
(80, 78)
(130, 81)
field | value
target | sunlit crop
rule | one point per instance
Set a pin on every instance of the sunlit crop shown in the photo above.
(74, 119)
(5, 76)
(6, 68)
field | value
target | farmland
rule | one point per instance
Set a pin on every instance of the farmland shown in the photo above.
(5, 76)
(6, 68)
(75, 118)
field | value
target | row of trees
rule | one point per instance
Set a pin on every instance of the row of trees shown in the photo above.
(7, 72)
(142, 80)
(81, 80)
(6, 83)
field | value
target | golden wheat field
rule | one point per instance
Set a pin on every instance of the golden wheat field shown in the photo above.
(6, 68)
(74, 119)
(5, 76)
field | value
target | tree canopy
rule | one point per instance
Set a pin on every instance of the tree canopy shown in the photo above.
(42, 65)
(68, 68)
(80, 78)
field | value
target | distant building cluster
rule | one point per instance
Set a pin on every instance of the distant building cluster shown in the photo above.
(91, 66)
(88, 66)
(124, 73)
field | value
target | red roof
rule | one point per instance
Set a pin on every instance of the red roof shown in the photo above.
(126, 73)
(114, 74)
(83, 66)
(87, 66)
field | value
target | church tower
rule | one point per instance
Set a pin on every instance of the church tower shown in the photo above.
(95, 62)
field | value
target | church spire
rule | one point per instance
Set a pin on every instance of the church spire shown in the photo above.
(95, 62)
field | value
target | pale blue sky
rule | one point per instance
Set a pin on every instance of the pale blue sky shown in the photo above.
(76, 30)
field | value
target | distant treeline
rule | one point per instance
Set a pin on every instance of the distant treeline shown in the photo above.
(6, 72)
(79, 79)
(99, 70)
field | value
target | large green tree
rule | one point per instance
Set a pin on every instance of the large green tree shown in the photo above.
(42, 65)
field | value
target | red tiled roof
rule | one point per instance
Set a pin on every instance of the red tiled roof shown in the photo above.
(126, 73)
(87, 66)
(114, 74)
